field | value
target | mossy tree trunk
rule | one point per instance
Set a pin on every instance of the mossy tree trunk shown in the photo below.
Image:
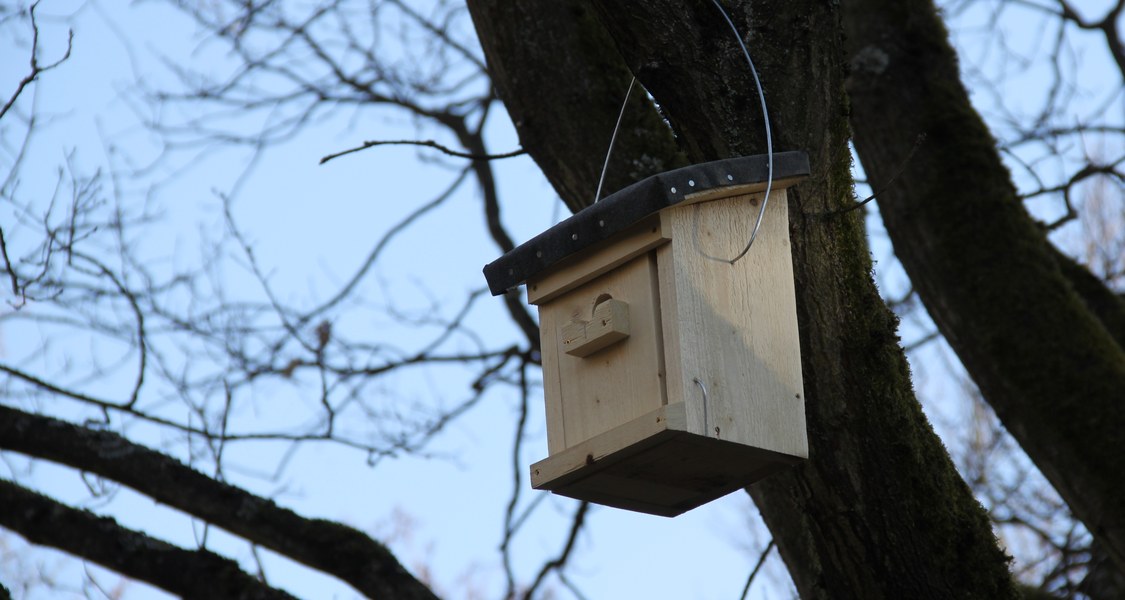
(878, 511)
(1035, 331)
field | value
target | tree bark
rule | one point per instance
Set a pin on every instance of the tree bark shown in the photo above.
(186, 573)
(1102, 302)
(878, 511)
(323, 545)
(983, 268)
(559, 49)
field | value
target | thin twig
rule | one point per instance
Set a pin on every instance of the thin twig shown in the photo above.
(757, 567)
(917, 144)
(428, 144)
(36, 68)
(372, 256)
(10, 269)
(560, 562)
(510, 525)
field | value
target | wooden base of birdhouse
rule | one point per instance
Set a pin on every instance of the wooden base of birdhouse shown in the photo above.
(654, 465)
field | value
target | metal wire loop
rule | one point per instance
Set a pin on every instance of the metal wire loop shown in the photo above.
(769, 140)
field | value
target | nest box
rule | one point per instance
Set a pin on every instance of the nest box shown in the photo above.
(672, 377)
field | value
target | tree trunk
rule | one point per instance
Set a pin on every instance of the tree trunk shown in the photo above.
(985, 271)
(878, 511)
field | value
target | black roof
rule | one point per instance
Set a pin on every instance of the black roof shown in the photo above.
(618, 211)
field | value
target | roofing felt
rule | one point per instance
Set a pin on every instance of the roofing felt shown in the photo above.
(624, 208)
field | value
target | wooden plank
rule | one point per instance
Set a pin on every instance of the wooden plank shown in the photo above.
(637, 434)
(550, 326)
(610, 489)
(618, 383)
(609, 325)
(735, 326)
(665, 472)
(670, 332)
(595, 261)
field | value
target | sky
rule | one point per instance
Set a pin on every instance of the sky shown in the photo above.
(311, 225)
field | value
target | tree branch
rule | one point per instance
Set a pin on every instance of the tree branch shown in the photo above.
(560, 561)
(369, 566)
(36, 68)
(905, 162)
(1107, 25)
(757, 567)
(9, 267)
(187, 573)
(428, 144)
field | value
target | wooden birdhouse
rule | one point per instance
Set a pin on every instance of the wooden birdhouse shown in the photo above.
(672, 376)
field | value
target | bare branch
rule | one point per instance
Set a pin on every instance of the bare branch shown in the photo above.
(560, 561)
(1107, 25)
(757, 567)
(426, 143)
(440, 33)
(905, 162)
(510, 524)
(368, 447)
(391, 233)
(36, 68)
(369, 566)
(16, 290)
(187, 573)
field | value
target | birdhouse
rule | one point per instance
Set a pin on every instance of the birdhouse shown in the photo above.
(672, 375)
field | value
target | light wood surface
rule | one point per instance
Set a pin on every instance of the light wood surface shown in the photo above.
(562, 467)
(608, 325)
(593, 394)
(671, 376)
(734, 327)
(653, 465)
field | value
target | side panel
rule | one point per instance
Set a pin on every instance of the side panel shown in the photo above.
(734, 327)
